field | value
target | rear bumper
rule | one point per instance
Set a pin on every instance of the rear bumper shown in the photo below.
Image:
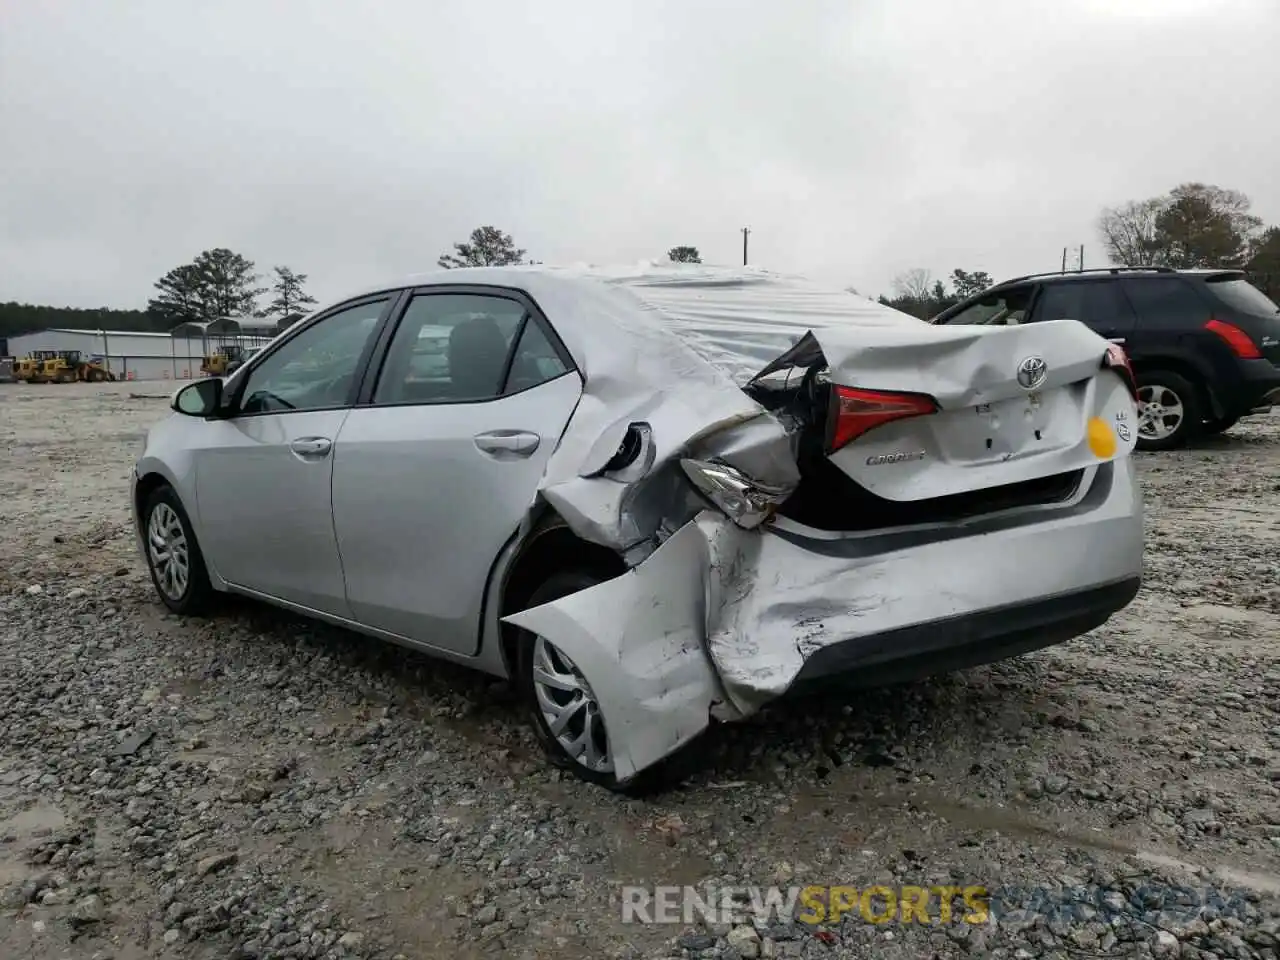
(928, 600)
(1257, 390)
(940, 646)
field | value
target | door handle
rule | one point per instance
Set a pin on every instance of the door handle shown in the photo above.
(311, 446)
(519, 443)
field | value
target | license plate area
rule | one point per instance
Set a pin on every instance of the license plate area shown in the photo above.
(1034, 422)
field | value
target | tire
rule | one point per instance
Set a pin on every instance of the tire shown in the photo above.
(194, 595)
(532, 650)
(1212, 427)
(1179, 398)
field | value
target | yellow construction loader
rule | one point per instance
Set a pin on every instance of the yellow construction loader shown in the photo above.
(70, 366)
(215, 364)
(31, 368)
(94, 370)
(62, 367)
(27, 369)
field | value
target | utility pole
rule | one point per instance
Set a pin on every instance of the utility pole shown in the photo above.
(1082, 258)
(1064, 259)
(745, 232)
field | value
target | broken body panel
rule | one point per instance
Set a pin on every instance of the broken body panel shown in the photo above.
(716, 619)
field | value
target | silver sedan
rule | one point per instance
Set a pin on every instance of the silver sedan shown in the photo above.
(655, 497)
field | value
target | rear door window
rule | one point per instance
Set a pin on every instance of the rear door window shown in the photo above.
(449, 347)
(1240, 294)
(535, 360)
(1096, 303)
(465, 347)
(1166, 302)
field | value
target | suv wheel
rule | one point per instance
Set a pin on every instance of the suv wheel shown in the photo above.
(564, 709)
(1168, 410)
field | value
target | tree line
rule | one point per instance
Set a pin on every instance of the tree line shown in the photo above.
(917, 292)
(490, 247)
(217, 283)
(222, 283)
(18, 318)
(1193, 225)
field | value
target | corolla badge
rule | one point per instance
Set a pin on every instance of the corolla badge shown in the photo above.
(1032, 373)
(904, 456)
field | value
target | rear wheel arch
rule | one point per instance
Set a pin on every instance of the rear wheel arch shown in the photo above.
(557, 562)
(1191, 397)
(552, 548)
(1186, 369)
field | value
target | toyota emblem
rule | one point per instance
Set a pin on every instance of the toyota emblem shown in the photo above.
(1032, 373)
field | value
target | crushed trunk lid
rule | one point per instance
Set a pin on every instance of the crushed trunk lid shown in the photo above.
(1011, 404)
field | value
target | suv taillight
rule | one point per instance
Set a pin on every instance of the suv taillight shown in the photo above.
(1116, 359)
(1239, 341)
(854, 411)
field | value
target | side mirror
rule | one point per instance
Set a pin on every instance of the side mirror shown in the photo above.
(199, 399)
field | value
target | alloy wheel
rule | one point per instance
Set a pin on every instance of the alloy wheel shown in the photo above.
(1160, 412)
(168, 551)
(570, 708)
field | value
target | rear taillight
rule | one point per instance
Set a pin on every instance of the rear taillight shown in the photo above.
(854, 411)
(746, 502)
(1239, 341)
(1116, 359)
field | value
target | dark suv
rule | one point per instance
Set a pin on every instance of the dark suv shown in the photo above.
(1205, 344)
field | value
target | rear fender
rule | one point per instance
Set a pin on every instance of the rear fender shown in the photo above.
(1194, 368)
(639, 641)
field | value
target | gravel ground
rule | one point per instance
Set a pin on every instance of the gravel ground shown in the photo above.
(258, 786)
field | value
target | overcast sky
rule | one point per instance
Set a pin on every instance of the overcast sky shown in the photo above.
(355, 140)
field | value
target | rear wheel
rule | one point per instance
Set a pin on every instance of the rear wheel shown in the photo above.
(173, 557)
(565, 711)
(1168, 410)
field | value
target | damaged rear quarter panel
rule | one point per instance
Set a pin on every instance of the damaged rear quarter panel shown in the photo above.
(713, 623)
(639, 640)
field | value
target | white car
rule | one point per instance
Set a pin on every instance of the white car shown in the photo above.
(659, 496)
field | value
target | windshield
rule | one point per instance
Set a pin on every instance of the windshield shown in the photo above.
(1243, 296)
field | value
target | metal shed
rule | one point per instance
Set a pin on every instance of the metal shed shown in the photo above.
(201, 339)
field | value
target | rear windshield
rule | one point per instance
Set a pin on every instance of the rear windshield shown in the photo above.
(1240, 294)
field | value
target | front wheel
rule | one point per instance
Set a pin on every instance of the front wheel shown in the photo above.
(566, 714)
(1168, 410)
(173, 556)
